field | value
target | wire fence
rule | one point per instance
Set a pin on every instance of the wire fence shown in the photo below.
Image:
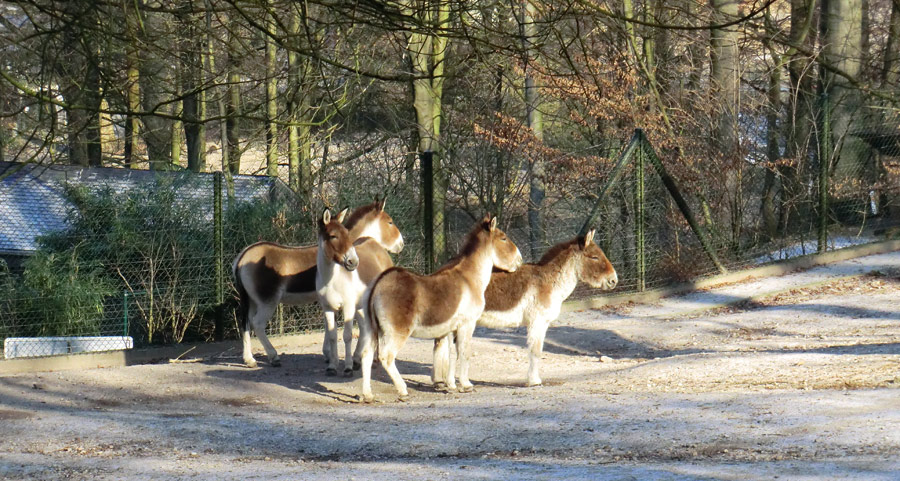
(113, 258)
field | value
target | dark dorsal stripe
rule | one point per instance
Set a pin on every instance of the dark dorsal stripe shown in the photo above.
(469, 247)
(558, 249)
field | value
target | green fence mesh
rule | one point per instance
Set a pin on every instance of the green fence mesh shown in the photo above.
(98, 259)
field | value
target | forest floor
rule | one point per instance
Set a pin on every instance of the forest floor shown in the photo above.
(800, 382)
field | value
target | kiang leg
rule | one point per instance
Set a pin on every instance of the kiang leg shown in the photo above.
(463, 348)
(366, 347)
(357, 353)
(349, 312)
(536, 334)
(331, 342)
(389, 344)
(441, 373)
(258, 320)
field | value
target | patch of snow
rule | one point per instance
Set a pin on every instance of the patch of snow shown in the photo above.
(811, 246)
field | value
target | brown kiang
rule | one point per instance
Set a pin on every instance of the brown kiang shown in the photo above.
(267, 274)
(532, 296)
(401, 304)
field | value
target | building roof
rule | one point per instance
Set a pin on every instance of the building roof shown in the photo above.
(33, 202)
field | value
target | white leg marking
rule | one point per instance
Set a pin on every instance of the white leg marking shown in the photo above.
(536, 333)
(463, 346)
(366, 346)
(331, 342)
(440, 368)
(349, 312)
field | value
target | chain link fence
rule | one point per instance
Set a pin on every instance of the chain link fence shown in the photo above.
(99, 259)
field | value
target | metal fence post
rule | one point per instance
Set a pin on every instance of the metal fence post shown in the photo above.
(624, 157)
(640, 265)
(669, 183)
(825, 153)
(219, 253)
(426, 168)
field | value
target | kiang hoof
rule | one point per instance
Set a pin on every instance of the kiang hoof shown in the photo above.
(403, 398)
(250, 364)
(440, 386)
(357, 365)
(331, 371)
(366, 399)
(348, 372)
(466, 388)
(276, 363)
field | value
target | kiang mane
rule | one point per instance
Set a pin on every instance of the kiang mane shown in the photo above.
(358, 215)
(558, 250)
(469, 247)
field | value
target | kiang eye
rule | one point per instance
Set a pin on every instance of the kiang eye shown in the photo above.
(332, 237)
(594, 258)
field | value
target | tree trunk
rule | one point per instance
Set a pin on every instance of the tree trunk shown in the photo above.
(233, 109)
(535, 119)
(271, 96)
(773, 132)
(191, 77)
(853, 165)
(79, 72)
(725, 79)
(299, 133)
(724, 73)
(154, 79)
(773, 150)
(427, 54)
(800, 112)
(132, 87)
(890, 72)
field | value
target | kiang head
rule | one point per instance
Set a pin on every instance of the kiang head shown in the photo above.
(389, 235)
(377, 224)
(595, 269)
(505, 254)
(334, 240)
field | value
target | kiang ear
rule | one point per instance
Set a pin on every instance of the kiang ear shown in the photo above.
(589, 237)
(381, 202)
(340, 217)
(326, 216)
(493, 224)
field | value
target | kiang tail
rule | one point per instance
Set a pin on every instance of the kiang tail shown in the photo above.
(372, 315)
(243, 298)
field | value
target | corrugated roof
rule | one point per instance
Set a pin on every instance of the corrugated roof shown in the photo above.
(32, 201)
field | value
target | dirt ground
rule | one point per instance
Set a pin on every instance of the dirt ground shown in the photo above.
(802, 382)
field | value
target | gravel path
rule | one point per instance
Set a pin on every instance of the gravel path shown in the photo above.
(800, 382)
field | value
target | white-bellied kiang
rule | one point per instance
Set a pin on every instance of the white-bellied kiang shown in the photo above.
(400, 304)
(532, 296)
(267, 274)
